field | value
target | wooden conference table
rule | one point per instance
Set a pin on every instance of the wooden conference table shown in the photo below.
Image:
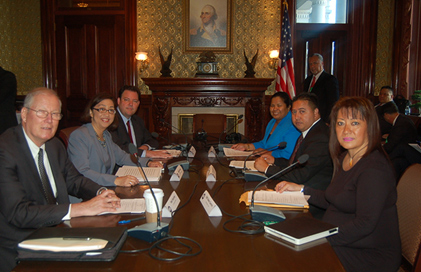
(222, 250)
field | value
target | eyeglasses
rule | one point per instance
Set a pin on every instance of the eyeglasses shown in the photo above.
(44, 114)
(104, 110)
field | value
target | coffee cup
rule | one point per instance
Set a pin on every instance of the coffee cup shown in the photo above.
(151, 211)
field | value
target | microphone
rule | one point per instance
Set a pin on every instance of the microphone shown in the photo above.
(149, 232)
(263, 213)
(162, 120)
(256, 176)
(201, 135)
(239, 121)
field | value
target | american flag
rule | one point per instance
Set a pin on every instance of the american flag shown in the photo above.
(285, 81)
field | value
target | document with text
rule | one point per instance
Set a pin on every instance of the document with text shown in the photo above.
(229, 152)
(130, 205)
(273, 199)
(240, 164)
(152, 173)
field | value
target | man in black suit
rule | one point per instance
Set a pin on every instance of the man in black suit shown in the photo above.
(131, 128)
(385, 96)
(322, 84)
(403, 128)
(314, 141)
(8, 90)
(37, 177)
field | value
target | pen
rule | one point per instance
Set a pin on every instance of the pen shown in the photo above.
(130, 220)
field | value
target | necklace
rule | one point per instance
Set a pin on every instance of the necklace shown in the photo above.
(352, 157)
(103, 143)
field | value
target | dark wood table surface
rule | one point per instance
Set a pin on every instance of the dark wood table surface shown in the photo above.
(221, 250)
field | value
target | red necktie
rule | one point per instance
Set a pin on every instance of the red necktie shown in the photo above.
(312, 83)
(297, 145)
(129, 130)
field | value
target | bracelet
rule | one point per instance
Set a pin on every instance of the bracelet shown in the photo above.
(101, 190)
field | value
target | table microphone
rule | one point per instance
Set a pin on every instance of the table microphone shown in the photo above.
(186, 149)
(257, 176)
(149, 232)
(264, 213)
(239, 121)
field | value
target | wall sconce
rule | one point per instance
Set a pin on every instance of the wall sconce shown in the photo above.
(143, 61)
(274, 56)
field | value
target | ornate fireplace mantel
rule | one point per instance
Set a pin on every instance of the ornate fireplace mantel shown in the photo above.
(210, 92)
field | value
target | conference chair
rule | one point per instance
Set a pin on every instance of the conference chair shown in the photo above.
(409, 207)
(64, 134)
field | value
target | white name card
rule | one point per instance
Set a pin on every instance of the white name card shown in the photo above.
(212, 152)
(192, 152)
(178, 173)
(211, 174)
(171, 205)
(209, 205)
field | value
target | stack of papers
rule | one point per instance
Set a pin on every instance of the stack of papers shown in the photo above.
(130, 205)
(152, 173)
(240, 165)
(173, 152)
(229, 152)
(63, 244)
(275, 199)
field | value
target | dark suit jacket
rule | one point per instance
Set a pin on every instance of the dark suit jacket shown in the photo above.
(402, 132)
(317, 171)
(385, 127)
(143, 136)
(8, 89)
(23, 207)
(327, 91)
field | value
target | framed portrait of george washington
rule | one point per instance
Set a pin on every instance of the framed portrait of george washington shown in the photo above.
(207, 26)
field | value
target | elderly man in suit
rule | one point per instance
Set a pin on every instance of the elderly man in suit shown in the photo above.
(8, 89)
(385, 96)
(322, 84)
(314, 141)
(37, 177)
(131, 127)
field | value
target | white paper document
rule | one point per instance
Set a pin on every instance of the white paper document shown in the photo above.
(417, 147)
(286, 198)
(240, 165)
(173, 152)
(229, 152)
(60, 244)
(130, 205)
(152, 173)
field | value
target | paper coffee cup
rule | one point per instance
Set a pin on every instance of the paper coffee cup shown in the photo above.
(151, 211)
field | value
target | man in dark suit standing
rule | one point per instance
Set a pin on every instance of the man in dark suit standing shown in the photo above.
(322, 84)
(8, 90)
(131, 128)
(314, 141)
(385, 96)
(37, 177)
(403, 128)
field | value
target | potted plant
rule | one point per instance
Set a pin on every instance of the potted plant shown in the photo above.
(416, 97)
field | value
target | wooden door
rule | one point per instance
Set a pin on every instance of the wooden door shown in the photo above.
(90, 59)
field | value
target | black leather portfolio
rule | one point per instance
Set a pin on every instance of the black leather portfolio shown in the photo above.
(115, 236)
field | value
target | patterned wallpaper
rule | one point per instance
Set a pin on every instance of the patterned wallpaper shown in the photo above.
(255, 25)
(160, 23)
(384, 44)
(20, 42)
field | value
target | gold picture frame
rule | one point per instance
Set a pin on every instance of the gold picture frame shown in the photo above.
(207, 32)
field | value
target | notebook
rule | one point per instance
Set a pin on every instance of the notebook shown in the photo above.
(115, 237)
(302, 229)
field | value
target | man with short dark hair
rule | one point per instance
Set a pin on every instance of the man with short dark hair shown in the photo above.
(322, 84)
(131, 127)
(403, 128)
(385, 96)
(37, 177)
(314, 141)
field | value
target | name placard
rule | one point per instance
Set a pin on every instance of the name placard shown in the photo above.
(212, 152)
(192, 152)
(209, 205)
(171, 205)
(178, 173)
(211, 174)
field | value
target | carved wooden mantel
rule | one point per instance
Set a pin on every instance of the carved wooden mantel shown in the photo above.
(210, 92)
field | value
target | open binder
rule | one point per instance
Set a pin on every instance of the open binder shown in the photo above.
(116, 236)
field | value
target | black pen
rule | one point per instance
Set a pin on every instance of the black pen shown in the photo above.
(130, 220)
